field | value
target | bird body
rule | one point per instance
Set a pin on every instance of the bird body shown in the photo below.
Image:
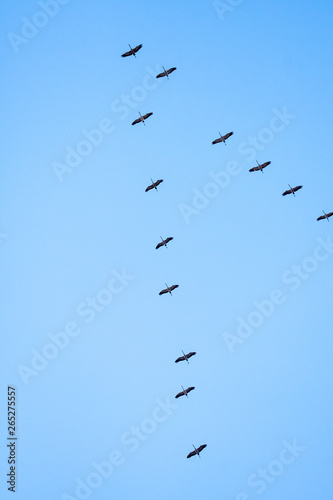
(142, 118)
(153, 185)
(185, 357)
(168, 289)
(291, 190)
(325, 216)
(223, 138)
(196, 451)
(260, 167)
(166, 72)
(132, 52)
(163, 242)
(184, 392)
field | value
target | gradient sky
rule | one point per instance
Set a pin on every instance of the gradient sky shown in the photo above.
(78, 236)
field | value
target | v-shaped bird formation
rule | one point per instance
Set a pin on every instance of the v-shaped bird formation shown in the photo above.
(164, 242)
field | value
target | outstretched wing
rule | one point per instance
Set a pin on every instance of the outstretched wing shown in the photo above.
(217, 140)
(201, 448)
(157, 183)
(254, 169)
(264, 165)
(138, 120)
(160, 75)
(189, 389)
(191, 454)
(137, 48)
(147, 116)
(287, 192)
(149, 188)
(321, 217)
(159, 245)
(173, 287)
(226, 136)
(126, 54)
(181, 358)
(169, 71)
(182, 393)
(297, 188)
(330, 214)
(191, 354)
(168, 239)
(163, 291)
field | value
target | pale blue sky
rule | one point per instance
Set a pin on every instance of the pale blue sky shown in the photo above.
(85, 238)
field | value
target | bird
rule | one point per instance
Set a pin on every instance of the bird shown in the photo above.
(196, 451)
(260, 167)
(185, 357)
(132, 52)
(166, 72)
(223, 138)
(168, 289)
(153, 185)
(142, 118)
(184, 392)
(325, 216)
(291, 190)
(163, 242)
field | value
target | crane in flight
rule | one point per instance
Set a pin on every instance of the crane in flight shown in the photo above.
(185, 357)
(196, 451)
(223, 138)
(153, 185)
(168, 289)
(184, 392)
(260, 167)
(142, 118)
(325, 216)
(163, 242)
(132, 52)
(166, 72)
(292, 190)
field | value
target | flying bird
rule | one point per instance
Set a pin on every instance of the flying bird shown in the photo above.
(196, 451)
(166, 72)
(260, 167)
(153, 185)
(132, 52)
(291, 190)
(163, 242)
(168, 289)
(142, 118)
(325, 216)
(223, 138)
(185, 357)
(184, 392)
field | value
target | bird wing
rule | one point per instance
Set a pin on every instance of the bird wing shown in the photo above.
(191, 354)
(160, 75)
(286, 192)
(191, 454)
(125, 54)
(159, 245)
(138, 47)
(181, 358)
(147, 116)
(168, 239)
(171, 70)
(297, 188)
(254, 169)
(163, 291)
(182, 393)
(138, 120)
(189, 389)
(264, 165)
(217, 140)
(321, 217)
(226, 136)
(173, 287)
(157, 183)
(149, 188)
(201, 447)
(330, 214)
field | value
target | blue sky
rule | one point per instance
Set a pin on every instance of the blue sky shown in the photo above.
(88, 343)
